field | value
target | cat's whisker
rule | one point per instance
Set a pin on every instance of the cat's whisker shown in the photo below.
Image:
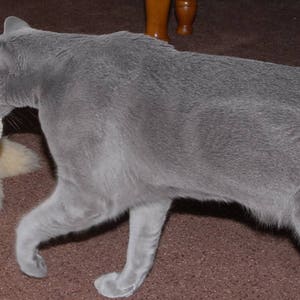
(12, 121)
(33, 114)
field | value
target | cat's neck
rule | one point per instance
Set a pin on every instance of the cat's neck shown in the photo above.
(39, 58)
(23, 90)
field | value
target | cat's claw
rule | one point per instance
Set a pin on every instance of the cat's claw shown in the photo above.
(36, 267)
(110, 286)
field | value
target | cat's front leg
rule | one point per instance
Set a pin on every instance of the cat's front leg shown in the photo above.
(146, 223)
(58, 215)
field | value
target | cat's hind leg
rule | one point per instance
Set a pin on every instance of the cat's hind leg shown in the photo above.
(58, 215)
(146, 222)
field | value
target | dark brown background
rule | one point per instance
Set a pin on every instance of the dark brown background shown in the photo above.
(207, 251)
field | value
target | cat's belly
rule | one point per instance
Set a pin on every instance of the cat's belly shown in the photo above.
(269, 206)
(255, 188)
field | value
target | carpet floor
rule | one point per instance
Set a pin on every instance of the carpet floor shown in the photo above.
(207, 251)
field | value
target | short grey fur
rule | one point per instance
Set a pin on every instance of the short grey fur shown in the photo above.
(133, 123)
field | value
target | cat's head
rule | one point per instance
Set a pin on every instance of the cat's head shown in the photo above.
(8, 64)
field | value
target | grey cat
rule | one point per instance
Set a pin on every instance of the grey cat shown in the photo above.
(132, 124)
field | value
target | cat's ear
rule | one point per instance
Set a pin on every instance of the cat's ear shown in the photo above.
(12, 24)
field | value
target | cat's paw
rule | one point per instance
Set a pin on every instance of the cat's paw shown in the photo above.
(110, 285)
(35, 267)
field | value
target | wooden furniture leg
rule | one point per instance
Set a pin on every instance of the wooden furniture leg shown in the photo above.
(157, 13)
(185, 13)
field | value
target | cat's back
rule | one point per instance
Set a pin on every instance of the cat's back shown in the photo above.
(124, 55)
(158, 68)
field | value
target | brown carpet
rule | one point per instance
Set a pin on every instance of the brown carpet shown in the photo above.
(207, 251)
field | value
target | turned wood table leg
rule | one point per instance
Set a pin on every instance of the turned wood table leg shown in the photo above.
(185, 13)
(157, 13)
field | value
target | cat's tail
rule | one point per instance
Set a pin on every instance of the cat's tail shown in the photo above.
(16, 159)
